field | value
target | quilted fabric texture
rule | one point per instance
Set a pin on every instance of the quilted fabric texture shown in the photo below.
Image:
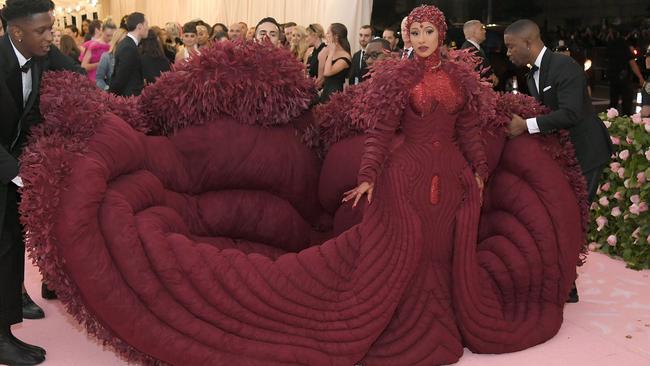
(192, 241)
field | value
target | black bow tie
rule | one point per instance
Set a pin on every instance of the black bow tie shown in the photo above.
(26, 66)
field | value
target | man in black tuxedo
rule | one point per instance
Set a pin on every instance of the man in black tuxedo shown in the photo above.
(407, 52)
(558, 82)
(25, 53)
(359, 67)
(127, 79)
(475, 34)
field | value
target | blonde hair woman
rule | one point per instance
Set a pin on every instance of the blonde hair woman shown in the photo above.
(107, 61)
(299, 44)
(315, 35)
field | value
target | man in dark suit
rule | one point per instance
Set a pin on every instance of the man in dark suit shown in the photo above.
(127, 79)
(559, 83)
(25, 53)
(407, 52)
(359, 67)
(475, 34)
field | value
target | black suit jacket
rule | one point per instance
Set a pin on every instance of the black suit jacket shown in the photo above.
(358, 69)
(17, 120)
(485, 63)
(563, 88)
(127, 79)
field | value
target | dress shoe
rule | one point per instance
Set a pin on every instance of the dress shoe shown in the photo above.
(46, 293)
(27, 346)
(30, 309)
(12, 354)
(573, 295)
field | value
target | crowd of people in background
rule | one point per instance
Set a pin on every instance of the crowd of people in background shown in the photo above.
(94, 45)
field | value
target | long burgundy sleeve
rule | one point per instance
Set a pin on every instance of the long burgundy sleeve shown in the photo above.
(468, 129)
(376, 148)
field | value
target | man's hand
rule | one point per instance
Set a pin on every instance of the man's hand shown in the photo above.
(517, 126)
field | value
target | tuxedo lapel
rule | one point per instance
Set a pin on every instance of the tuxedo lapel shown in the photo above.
(544, 70)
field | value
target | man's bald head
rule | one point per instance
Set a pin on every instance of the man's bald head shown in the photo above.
(525, 29)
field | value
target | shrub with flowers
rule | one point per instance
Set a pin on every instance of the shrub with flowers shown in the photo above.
(621, 220)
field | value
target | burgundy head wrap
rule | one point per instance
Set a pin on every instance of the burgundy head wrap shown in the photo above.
(431, 14)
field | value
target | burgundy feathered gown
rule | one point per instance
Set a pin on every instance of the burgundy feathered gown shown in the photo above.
(418, 194)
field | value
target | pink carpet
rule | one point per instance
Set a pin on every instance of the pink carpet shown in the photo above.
(609, 326)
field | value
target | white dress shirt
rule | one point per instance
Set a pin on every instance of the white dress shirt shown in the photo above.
(26, 76)
(531, 123)
(27, 90)
(478, 47)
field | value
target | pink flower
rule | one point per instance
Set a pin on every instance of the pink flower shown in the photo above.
(626, 183)
(594, 206)
(635, 198)
(648, 240)
(646, 121)
(593, 246)
(636, 232)
(611, 240)
(605, 187)
(616, 211)
(629, 140)
(624, 155)
(601, 221)
(647, 127)
(634, 209)
(603, 201)
(647, 153)
(614, 167)
(612, 113)
(636, 118)
(621, 173)
(643, 207)
(640, 177)
(615, 140)
(618, 196)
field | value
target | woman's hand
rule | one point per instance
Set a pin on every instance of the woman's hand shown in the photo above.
(356, 193)
(481, 185)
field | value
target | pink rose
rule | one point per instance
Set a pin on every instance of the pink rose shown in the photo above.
(629, 140)
(624, 155)
(603, 201)
(646, 120)
(647, 127)
(611, 240)
(605, 187)
(615, 140)
(614, 167)
(612, 113)
(647, 153)
(643, 207)
(626, 183)
(634, 209)
(616, 211)
(593, 246)
(621, 173)
(648, 240)
(594, 206)
(636, 118)
(601, 221)
(635, 198)
(640, 177)
(618, 196)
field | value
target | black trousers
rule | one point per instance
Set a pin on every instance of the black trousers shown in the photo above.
(593, 178)
(12, 263)
(623, 89)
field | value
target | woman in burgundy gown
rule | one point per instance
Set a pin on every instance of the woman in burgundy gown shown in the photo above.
(198, 239)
